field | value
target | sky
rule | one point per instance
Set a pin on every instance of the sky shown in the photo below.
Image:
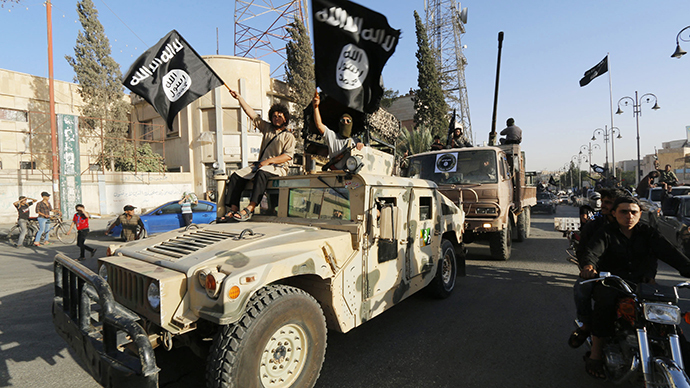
(548, 45)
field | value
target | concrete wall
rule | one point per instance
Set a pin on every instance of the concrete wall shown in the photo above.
(103, 194)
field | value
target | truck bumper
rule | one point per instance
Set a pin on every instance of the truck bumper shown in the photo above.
(482, 225)
(106, 337)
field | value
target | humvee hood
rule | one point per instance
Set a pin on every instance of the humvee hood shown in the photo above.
(242, 245)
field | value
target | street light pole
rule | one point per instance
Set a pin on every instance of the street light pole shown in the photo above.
(679, 51)
(579, 172)
(608, 136)
(637, 104)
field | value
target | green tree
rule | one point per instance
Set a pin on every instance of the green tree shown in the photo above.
(431, 109)
(389, 96)
(99, 77)
(416, 140)
(299, 69)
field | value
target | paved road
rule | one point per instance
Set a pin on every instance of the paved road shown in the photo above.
(506, 324)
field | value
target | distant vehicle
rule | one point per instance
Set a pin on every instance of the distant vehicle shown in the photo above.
(652, 203)
(563, 198)
(168, 217)
(545, 202)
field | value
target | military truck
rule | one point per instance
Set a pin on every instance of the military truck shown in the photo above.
(489, 184)
(323, 250)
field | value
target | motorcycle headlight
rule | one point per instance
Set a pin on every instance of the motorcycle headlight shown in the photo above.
(664, 314)
(103, 272)
(154, 295)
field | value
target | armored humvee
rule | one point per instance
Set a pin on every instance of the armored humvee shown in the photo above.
(323, 250)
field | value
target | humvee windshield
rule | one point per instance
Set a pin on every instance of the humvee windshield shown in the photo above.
(319, 203)
(311, 203)
(466, 167)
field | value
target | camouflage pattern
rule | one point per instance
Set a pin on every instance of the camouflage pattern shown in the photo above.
(329, 249)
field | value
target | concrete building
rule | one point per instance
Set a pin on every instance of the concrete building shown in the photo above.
(675, 152)
(190, 148)
(403, 110)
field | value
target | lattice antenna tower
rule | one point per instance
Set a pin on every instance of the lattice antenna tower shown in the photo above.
(261, 30)
(445, 25)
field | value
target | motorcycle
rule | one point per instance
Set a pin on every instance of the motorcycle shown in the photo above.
(648, 342)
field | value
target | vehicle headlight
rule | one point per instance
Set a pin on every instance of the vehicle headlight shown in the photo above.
(154, 295)
(665, 314)
(103, 272)
(352, 164)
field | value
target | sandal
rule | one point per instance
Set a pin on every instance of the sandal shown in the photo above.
(243, 217)
(577, 338)
(594, 368)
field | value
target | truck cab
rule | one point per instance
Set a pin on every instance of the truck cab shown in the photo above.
(489, 184)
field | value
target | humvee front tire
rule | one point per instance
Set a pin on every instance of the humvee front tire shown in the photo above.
(500, 243)
(279, 342)
(444, 281)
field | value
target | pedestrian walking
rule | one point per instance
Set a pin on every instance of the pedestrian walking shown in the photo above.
(188, 199)
(43, 208)
(130, 223)
(81, 220)
(23, 211)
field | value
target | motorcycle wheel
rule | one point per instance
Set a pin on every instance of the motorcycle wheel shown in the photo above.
(666, 373)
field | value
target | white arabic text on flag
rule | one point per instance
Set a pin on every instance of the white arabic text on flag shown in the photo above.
(170, 75)
(351, 46)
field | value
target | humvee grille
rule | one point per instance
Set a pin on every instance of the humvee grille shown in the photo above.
(127, 286)
(193, 241)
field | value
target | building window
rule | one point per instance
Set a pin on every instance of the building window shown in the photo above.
(14, 115)
(27, 165)
(175, 169)
(146, 129)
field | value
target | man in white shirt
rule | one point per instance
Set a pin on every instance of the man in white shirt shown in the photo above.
(338, 143)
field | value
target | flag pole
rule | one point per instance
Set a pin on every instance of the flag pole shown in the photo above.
(613, 154)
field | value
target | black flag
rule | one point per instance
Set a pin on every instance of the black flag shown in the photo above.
(351, 45)
(170, 75)
(601, 68)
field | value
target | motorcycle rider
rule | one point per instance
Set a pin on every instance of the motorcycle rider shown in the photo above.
(583, 292)
(627, 249)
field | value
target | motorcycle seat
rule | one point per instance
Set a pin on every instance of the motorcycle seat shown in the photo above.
(657, 293)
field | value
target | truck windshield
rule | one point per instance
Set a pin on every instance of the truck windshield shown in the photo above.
(465, 167)
(319, 203)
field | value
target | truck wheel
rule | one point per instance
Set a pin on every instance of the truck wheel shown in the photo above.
(280, 342)
(500, 243)
(446, 273)
(523, 224)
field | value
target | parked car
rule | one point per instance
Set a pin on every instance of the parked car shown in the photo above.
(168, 217)
(545, 202)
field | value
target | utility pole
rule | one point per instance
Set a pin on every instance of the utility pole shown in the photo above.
(53, 123)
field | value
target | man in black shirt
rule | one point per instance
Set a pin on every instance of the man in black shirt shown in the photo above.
(583, 292)
(630, 250)
(23, 210)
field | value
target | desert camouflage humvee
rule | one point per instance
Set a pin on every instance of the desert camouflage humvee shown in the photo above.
(324, 250)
